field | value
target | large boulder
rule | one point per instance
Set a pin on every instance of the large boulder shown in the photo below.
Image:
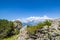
(18, 24)
(23, 35)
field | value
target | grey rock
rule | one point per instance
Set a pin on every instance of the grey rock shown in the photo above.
(45, 33)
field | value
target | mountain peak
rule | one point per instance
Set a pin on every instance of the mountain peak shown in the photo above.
(34, 18)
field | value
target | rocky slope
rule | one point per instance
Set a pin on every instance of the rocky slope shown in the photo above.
(46, 33)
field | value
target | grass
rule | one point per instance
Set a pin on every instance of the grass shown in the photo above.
(11, 38)
(33, 28)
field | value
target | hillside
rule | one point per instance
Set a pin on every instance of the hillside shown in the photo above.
(9, 29)
(47, 30)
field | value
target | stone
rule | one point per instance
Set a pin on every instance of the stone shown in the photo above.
(23, 34)
(17, 24)
(46, 33)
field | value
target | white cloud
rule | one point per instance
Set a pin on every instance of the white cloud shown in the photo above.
(33, 18)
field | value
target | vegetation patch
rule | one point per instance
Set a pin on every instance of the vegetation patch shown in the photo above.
(11, 37)
(31, 29)
(7, 29)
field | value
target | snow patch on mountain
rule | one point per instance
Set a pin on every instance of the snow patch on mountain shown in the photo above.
(33, 19)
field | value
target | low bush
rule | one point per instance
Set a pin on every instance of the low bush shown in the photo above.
(7, 28)
(31, 29)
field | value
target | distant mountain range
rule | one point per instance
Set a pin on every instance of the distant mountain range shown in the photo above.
(33, 20)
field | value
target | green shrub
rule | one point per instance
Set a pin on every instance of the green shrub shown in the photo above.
(31, 29)
(47, 22)
(16, 31)
(6, 28)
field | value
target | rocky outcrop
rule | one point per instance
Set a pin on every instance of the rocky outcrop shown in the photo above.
(46, 33)
(23, 35)
(17, 24)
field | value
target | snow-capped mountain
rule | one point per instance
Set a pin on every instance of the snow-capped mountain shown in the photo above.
(33, 20)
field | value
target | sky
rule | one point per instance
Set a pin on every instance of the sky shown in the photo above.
(17, 9)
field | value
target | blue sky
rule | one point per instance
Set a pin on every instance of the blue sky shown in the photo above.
(14, 9)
